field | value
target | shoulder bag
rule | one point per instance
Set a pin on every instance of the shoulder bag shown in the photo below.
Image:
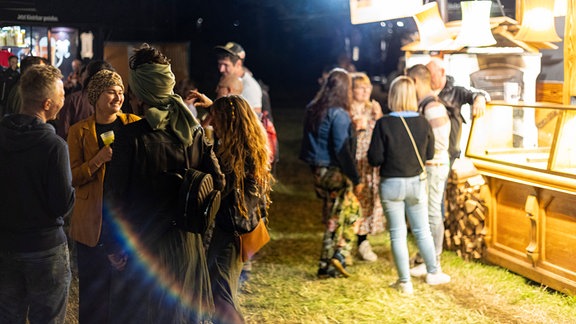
(252, 232)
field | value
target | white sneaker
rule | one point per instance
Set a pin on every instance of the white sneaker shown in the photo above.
(365, 251)
(437, 278)
(403, 287)
(419, 270)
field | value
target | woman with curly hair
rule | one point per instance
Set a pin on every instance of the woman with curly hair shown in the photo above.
(242, 152)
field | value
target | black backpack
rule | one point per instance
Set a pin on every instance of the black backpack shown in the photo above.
(198, 200)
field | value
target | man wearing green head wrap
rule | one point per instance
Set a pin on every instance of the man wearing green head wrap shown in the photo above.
(153, 84)
(143, 200)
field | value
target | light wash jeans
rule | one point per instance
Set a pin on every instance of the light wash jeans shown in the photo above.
(437, 176)
(34, 283)
(403, 197)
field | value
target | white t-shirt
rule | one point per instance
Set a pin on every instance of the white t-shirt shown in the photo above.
(252, 91)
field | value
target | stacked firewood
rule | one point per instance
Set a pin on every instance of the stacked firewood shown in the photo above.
(465, 212)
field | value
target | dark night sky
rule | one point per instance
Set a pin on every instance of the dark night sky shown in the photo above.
(288, 42)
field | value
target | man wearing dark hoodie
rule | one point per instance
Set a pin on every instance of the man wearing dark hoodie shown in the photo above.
(36, 194)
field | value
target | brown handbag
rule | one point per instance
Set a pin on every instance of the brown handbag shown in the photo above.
(253, 241)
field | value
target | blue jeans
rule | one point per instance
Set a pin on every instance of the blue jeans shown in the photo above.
(36, 283)
(403, 197)
(437, 176)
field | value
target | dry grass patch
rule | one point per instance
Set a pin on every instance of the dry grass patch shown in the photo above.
(284, 288)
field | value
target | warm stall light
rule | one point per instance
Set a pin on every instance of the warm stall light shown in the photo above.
(538, 22)
(475, 30)
(434, 35)
(431, 26)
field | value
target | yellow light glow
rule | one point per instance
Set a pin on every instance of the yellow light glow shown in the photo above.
(538, 22)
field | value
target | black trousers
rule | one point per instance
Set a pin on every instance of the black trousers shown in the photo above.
(94, 274)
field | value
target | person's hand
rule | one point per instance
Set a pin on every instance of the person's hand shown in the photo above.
(118, 260)
(103, 156)
(358, 189)
(199, 99)
(479, 106)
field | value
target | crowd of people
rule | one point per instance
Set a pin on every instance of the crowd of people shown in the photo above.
(74, 151)
(93, 167)
(376, 168)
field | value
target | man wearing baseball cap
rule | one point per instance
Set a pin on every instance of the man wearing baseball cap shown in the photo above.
(231, 62)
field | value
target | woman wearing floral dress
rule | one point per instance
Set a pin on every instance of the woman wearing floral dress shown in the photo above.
(365, 113)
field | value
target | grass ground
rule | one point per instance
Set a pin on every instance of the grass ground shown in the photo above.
(284, 288)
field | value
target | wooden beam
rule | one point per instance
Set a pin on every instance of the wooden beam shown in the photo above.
(570, 53)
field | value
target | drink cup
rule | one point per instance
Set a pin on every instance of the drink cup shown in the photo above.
(511, 92)
(107, 137)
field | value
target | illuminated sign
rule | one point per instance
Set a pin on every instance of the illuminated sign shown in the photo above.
(366, 11)
(39, 18)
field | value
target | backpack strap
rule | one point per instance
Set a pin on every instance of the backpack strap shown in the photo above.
(195, 149)
(427, 100)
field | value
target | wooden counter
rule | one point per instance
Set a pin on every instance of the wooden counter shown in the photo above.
(531, 194)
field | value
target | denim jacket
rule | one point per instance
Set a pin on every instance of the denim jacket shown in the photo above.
(333, 144)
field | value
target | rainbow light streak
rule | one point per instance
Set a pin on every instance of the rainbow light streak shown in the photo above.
(165, 285)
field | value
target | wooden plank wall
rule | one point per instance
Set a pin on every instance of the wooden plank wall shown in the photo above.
(550, 91)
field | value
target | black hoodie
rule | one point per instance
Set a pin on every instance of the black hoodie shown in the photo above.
(36, 190)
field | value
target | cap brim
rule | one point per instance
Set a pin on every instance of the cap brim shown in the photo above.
(227, 50)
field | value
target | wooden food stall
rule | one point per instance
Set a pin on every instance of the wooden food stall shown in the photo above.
(527, 154)
(514, 205)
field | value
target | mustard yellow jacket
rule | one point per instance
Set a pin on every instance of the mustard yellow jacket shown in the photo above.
(86, 222)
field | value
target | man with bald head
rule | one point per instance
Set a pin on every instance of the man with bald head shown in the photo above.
(454, 97)
(229, 85)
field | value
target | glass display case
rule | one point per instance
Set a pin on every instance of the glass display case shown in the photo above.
(535, 143)
(527, 154)
(57, 44)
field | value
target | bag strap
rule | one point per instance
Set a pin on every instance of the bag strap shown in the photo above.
(413, 143)
(422, 104)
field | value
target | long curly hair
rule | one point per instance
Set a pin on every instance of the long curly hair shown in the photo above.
(335, 92)
(243, 147)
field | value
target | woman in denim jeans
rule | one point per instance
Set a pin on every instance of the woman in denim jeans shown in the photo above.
(402, 191)
(328, 147)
